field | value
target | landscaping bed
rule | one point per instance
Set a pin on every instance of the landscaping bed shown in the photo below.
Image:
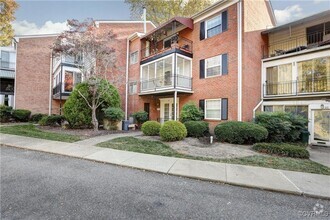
(150, 145)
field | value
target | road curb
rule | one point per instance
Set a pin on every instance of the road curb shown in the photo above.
(301, 193)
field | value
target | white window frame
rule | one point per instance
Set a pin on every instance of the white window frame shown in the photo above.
(220, 67)
(131, 92)
(137, 57)
(206, 24)
(205, 108)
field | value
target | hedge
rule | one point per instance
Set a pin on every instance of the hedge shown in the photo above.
(197, 128)
(151, 128)
(21, 115)
(190, 112)
(37, 117)
(236, 132)
(52, 120)
(173, 131)
(282, 149)
(5, 113)
(281, 126)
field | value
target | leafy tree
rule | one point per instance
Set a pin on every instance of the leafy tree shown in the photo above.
(98, 62)
(160, 11)
(7, 10)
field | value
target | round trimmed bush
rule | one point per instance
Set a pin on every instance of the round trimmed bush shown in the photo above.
(21, 114)
(236, 132)
(151, 128)
(173, 131)
(190, 112)
(197, 128)
(37, 117)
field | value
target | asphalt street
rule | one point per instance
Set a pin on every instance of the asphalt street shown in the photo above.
(37, 185)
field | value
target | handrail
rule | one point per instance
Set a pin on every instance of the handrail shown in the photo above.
(177, 41)
(170, 81)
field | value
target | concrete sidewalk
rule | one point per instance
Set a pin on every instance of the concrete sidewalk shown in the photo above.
(257, 177)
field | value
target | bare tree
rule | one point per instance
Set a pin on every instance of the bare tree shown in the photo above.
(94, 56)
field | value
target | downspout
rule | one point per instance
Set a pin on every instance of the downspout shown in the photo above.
(50, 84)
(126, 80)
(255, 109)
(15, 83)
(239, 45)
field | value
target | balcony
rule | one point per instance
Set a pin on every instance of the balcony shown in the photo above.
(58, 92)
(297, 43)
(166, 84)
(297, 88)
(174, 43)
(6, 65)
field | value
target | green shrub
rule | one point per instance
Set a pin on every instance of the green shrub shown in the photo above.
(173, 131)
(281, 126)
(197, 128)
(77, 112)
(5, 113)
(21, 115)
(114, 114)
(236, 132)
(141, 117)
(151, 128)
(190, 112)
(52, 120)
(282, 149)
(37, 117)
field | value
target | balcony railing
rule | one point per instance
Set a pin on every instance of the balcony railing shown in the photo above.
(297, 87)
(167, 82)
(297, 43)
(7, 65)
(177, 42)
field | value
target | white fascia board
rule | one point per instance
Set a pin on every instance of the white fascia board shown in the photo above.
(98, 22)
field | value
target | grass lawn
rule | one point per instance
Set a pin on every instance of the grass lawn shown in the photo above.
(31, 131)
(159, 148)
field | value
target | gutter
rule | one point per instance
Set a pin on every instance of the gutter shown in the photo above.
(50, 85)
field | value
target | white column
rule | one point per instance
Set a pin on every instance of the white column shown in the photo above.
(175, 101)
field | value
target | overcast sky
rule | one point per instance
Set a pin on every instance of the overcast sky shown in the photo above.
(49, 16)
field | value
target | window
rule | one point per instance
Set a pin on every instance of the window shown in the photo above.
(132, 88)
(213, 26)
(134, 57)
(279, 80)
(68, 81)
(314, 75)
(213, 66)
(301, 110)
(213, 109)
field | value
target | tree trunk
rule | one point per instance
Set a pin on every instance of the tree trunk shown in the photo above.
(94, 119)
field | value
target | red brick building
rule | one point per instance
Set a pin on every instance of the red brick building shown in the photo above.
(212, 59)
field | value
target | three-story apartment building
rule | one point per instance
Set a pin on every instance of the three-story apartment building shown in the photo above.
(296, 72)
(212, 59)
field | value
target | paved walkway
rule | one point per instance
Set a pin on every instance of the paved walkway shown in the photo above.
(257, 177)
(320, 155)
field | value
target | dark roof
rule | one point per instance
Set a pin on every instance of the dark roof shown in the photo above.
(323, 14)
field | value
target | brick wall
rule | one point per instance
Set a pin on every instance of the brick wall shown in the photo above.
(33, 74)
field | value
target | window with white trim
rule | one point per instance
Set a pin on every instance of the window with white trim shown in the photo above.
(134, 57)
(213, 26)
(213, 109)
(213, 66)
(132, 88)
